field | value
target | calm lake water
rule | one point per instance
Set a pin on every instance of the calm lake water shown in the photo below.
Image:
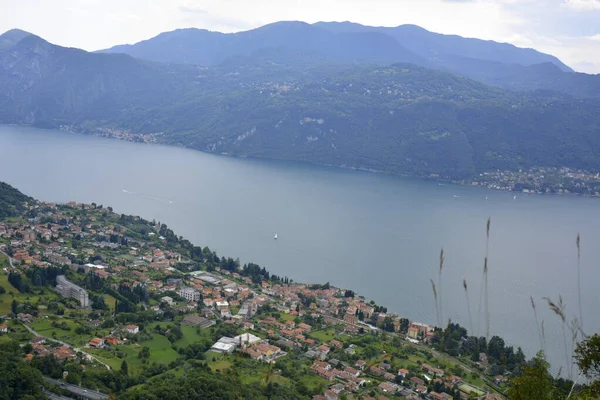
(376, 234)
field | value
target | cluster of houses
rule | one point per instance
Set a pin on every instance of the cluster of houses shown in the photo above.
(205, 297)
(41, 349)
(115, 338)
(252, 345)
(540, 180)
(349, 377)
(401, 383)
(34, 243)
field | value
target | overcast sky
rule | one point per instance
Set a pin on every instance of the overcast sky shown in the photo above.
(568, 29)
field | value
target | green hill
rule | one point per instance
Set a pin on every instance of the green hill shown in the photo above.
(12, 202)
(345, 43)
(400, 118)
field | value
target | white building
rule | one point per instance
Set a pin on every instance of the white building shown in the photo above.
(190, 294)
(133, 329)
(222, 304)
(89, 266)
(69, 289)
(224, 345)
(166, 299)
(208, 302)
(246, 339)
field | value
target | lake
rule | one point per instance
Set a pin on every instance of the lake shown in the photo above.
(378, 235)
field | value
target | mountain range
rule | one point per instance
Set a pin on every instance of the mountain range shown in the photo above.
(400, 100)
(498, 64)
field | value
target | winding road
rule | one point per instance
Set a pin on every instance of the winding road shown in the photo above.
(9, 259)
(77, 350)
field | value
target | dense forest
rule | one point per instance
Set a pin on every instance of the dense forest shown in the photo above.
(18, 379)
(201, 383)
(12, 202)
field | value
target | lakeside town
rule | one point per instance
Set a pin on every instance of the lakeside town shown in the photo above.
(540, 181)
(113, 133)
(96, 289)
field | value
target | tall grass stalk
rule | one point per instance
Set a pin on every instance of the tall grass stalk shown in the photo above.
(537, 324)
(559, 310)
(543, 335)
(435, 298)
(483, 297)
(575, 329)
(479, 308)
(574, 385)
(485, 274)
(579, 281)
(440, 284)
(468, 305)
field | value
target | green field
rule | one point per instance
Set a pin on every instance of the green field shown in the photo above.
(6, 299)
(190, 336)
(468, 389)
(259, 375)
(160, 352)
(43, 326)
(17, 332)
(110, 301)
(112, 360)
(4, 261)
(312, 381)
(160, 349)
(323, 336)
(287, 317)
(221, 361)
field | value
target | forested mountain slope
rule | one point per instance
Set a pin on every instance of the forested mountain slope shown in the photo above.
(399, 118)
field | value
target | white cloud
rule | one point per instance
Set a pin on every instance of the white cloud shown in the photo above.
(580, 53)
(595, 37)
(583, 4)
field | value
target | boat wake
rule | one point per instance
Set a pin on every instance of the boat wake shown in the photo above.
(147, 196)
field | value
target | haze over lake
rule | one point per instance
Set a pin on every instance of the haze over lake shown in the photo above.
(378, 235)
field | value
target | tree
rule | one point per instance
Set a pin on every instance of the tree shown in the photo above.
(587, 355)
(535, 381)
(14, 306)
(27, 348)
(124, 368)
(18, 379)
(144, 353)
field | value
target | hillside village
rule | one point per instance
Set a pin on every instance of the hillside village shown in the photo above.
(97, 288)
(550, 180)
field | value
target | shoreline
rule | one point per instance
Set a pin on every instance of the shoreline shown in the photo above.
(460, 182)
(478, 196)
(154, 139)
